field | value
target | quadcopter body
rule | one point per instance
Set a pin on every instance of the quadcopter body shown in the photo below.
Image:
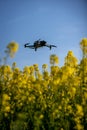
(37, 44)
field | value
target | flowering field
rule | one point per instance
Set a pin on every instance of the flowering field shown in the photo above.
(55, 100)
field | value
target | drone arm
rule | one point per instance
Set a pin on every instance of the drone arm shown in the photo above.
(48, 45)
(53, 46)
(27, 43)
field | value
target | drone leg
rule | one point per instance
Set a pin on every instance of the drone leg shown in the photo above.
(50, 47)
(35, 49)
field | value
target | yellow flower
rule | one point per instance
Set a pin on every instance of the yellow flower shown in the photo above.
(79, 127)
(41, 116)
(61, 129)
(85, 95)
(73, 91)
(12, 48)
(54, 59)
(6, 97)
(6, 114)
(7, 109)
(79, 111)
(60, 107)
(26, 69)
(69, 108)
(30, 99)
(36, 67)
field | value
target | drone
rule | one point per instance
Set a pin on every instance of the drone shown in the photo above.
(37, 44)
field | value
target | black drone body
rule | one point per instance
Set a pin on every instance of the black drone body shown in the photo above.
(38, 44)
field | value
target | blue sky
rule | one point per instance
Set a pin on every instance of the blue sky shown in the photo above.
(59, 22)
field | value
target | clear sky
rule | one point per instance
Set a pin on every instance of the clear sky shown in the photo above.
(59, 22)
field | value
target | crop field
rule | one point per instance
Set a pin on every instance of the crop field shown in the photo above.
(47, 100)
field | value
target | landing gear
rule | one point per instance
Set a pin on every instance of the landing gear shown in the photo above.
(35, 48)
(50, 47)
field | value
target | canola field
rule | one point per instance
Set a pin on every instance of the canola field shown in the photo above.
(55, 100)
